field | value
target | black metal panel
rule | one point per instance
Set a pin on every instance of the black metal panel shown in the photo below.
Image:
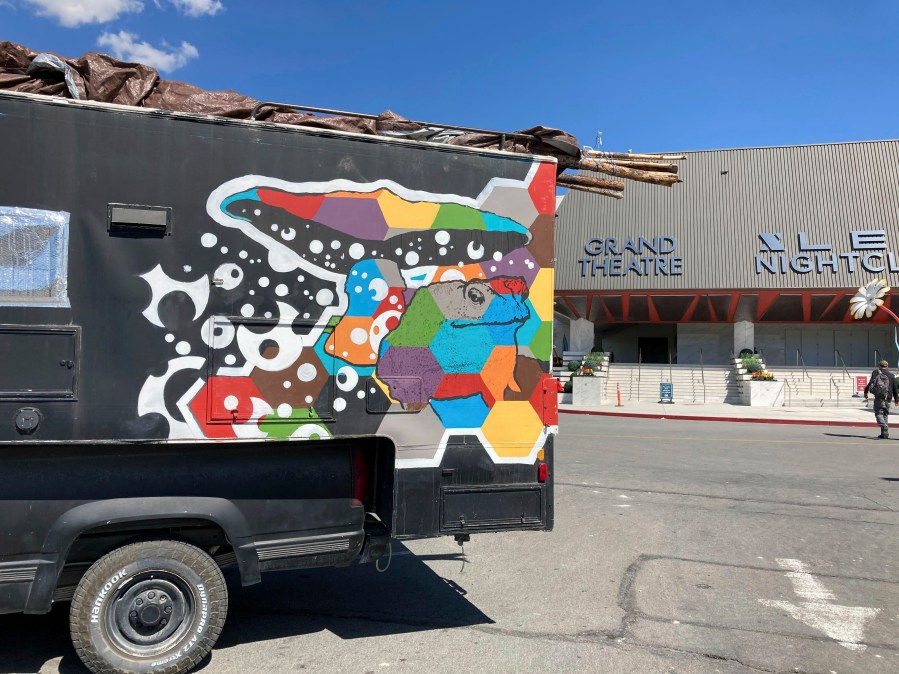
(38, 362)
(467, 467)
(479, 508)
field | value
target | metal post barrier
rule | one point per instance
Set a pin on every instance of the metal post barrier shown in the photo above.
(618, 391)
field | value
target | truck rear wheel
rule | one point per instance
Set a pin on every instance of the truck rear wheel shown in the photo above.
(154, 606)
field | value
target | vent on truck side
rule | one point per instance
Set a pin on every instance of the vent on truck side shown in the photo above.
(130, 220)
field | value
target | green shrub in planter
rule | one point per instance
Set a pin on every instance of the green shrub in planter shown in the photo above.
(752, 364)
(567, 386)
(746, 352)
(574, 365)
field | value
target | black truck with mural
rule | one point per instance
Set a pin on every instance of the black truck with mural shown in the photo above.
(240, 343)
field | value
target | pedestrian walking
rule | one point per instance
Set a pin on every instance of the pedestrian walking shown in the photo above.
(883, 387)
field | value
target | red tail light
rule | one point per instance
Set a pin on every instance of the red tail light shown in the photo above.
(542, 472)
(360, 476)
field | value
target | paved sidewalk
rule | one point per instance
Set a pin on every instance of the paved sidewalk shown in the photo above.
(854, 413)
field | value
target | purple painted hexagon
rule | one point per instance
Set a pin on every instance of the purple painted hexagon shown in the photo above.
(411, 373)
(360, 217)
(522, 264)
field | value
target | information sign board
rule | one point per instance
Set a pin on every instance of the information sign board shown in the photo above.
(861, 382)
(666, 392)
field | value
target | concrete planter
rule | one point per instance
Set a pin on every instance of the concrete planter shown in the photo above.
(587, 390)
(763, 393)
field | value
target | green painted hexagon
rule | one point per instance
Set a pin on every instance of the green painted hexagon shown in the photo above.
(419, 324)
(542, 341)
(456, 216)
(278, 427)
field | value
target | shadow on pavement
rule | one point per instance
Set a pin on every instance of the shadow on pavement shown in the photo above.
(853, 435)
(350, 602)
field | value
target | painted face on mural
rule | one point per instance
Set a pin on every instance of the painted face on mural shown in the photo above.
(452, 329)
(499, 301)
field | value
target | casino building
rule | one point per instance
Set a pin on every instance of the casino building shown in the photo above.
(758, 248)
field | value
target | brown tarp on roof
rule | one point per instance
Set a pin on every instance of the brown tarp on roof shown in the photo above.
(99, 77)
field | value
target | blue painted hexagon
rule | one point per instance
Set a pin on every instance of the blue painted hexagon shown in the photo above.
(366, 288)
(462, 350)
(527, 331)
(468, 412)
(505, 335)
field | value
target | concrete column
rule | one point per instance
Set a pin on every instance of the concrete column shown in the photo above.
(581, 338)
(744, 336)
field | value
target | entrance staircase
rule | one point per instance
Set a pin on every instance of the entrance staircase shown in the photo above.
(640, 382)
(695, 384)
(820, 386)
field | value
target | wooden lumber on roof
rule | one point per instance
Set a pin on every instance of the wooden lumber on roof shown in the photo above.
(575, 181)
(630, 155)
(614, 169)
(646, 165)
(596, 190)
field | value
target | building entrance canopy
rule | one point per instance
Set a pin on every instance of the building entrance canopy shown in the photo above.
(759, 306)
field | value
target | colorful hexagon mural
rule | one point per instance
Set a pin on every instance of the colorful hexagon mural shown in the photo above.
(366, 308)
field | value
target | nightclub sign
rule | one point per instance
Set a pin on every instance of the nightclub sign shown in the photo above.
(638, 257)
(867, 252)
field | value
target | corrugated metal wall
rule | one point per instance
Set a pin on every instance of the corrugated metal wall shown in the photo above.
(727, 200)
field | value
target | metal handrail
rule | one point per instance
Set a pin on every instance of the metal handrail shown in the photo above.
(837, 354)
(702, 374)
(834, 385)
(801, 362)
(876, 357)
(639, 364)
(607, 364)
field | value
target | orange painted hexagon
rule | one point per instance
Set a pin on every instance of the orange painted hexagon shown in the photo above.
(351, 340)
(512, 428)
(498, 372)
(466, 272)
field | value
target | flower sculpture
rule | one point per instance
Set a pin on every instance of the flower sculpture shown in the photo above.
(868, 298)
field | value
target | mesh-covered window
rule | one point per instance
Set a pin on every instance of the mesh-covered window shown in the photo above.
(34, 255)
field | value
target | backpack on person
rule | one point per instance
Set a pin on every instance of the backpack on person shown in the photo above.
(880, 387)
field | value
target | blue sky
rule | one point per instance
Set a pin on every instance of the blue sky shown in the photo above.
(651, 76)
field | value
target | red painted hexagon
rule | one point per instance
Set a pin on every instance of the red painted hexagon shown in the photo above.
(224, 401)
(543, 189)
(545, 400)
(462, 386)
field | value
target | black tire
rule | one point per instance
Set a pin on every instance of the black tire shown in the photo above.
(154, 606)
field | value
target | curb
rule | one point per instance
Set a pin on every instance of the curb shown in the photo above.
(738, 420)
